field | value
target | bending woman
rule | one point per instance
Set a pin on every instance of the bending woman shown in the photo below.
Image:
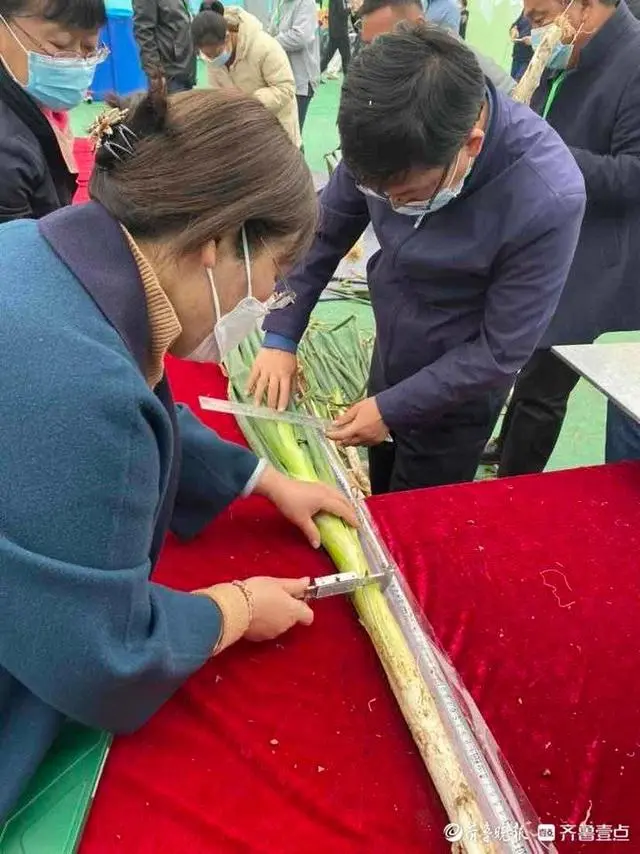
(97, 462)
(241, 54)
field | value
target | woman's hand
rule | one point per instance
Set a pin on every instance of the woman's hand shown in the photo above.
(277, 606)
(273, 373)
(360, 425)
(258, 609)
(299, 502)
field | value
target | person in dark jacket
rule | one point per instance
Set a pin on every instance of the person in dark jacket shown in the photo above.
(338, 35)
(48, 55)
(522, 53)
(622, 437)
(381, 16)
(464, 19)
(591, 97)
(177, 252)
(163, 32)
(467, 276)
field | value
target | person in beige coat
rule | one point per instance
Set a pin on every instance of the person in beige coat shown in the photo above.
(242, 55)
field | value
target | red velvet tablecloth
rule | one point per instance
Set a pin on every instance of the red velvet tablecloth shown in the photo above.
(83, 153)
(297, 747)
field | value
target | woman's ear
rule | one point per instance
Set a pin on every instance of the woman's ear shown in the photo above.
(208, 254)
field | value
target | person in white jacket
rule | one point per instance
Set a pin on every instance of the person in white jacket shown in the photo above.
(241, 54)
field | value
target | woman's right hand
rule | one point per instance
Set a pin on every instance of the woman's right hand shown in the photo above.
(259, 609)
(273, 373)
(277, 606)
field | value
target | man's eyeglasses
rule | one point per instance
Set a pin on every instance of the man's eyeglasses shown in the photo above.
(385, 197)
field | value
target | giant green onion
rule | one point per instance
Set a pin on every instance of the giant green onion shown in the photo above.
(299, 452)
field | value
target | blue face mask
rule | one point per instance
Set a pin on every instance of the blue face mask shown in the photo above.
(59, 83)
(220, 60)
(561, 54)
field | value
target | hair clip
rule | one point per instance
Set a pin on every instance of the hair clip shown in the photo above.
(103, 129)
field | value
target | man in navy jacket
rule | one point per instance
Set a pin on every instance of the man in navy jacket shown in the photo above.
(477, 205)
(594, 104)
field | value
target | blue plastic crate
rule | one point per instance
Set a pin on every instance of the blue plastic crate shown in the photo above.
(121, 72)
(104, 80)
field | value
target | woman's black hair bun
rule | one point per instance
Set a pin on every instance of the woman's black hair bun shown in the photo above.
(116, 132)
(212, 6)
(148, 115)
(147, 111)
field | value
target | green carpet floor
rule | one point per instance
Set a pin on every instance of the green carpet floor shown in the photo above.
(582, 439)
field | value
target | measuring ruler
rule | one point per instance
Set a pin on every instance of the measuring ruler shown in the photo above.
(248, 410)
(430, 663)
(484, 780)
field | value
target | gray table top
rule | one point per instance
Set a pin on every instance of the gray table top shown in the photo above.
(614, 369)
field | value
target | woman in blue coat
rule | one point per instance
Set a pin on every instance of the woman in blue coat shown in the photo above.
(177, 252)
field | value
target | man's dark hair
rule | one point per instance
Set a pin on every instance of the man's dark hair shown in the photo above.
(77, 14)
(409, 102)
(370, 6)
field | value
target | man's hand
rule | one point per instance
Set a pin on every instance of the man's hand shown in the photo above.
(299, 502)
(360, 425)
(273, 373)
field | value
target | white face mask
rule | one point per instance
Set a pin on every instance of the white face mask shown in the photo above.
(232, 328)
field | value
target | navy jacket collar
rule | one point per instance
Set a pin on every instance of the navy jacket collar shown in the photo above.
(612, 35)
(494, 118)
(106, 268)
